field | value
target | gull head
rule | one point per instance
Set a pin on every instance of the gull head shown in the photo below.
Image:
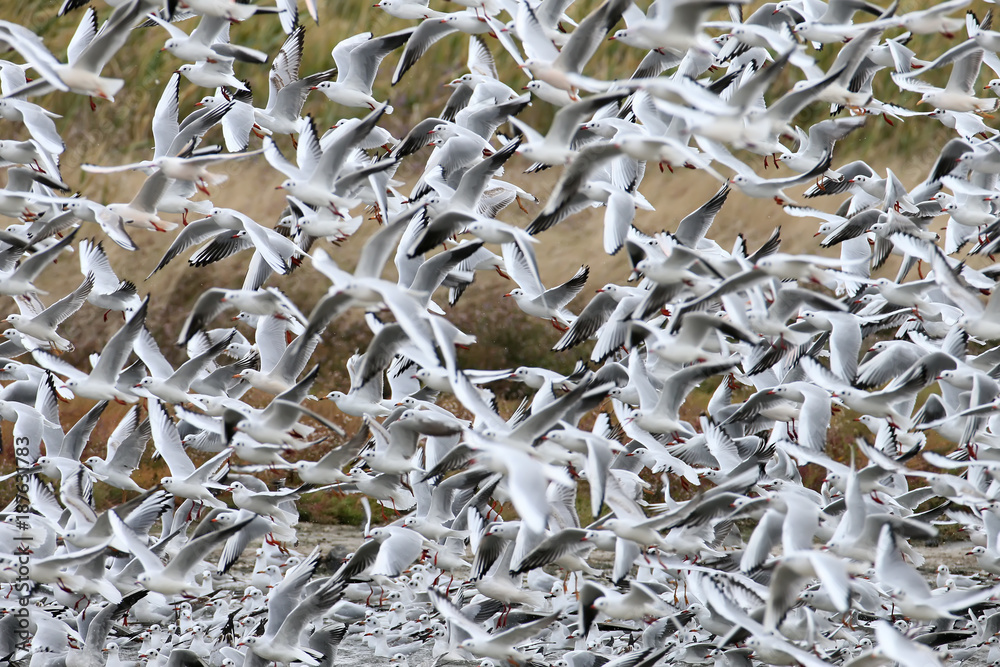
(949, 376)
(15, 370)
(508, 529)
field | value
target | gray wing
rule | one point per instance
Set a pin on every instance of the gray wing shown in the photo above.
(433, 271)
(795, 100)
(380, 353)
(342, 52)
(208, 306)
(830, 186)
(851, 55)
(285, 67)
(165, 124)
(525, 631)
(338, 457)
(442, 227)
(475, 180)
(763, 539)
(545, 418)
(680, 384)
(787, 302)
(568, 119)
(288, 405)
(589, 322)
(336, 154)
(564, 201)
(185, 375)
(77, 437)
(484, 119)
(295, 357)
(382, 245)
(554, 547)
(694, 226)
(366, 57)
(421, 39)
(116, 351)
(85, 33)
(66, 306)
(126, 458)
(308, 609)
(197, 549)
(100, 626)
(151, 192)
(194, 233)
(558, 297)
(167, 441)
(288, 101)
(283, 597)
(416, 138)
(29, 269)
(966, 70)
(589, 35)
(111, 37)
(195, 125)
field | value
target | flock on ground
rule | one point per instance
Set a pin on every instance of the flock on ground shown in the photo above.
(748, 566)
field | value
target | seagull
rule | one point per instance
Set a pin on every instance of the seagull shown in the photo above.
(554, 147)
(124, 451)
(109, 293)
(551, 304)
(357, 61)
(83, 74)
(957, 95)
(209, 41)
(172, 578)
(41, 325)
(185, 480)
(286, 92)
(500, 646)
(102, 382)
(214, 301)
(20, 280)
(557, 68)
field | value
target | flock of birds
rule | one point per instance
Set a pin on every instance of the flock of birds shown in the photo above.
(753, 567)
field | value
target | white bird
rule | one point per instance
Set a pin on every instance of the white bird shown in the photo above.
(358, 59)
(185, 480)
(82, 74)
(41, 325)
